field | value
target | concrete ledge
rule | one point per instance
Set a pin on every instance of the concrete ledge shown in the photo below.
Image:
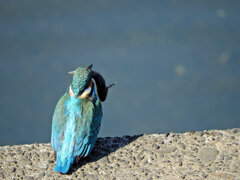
(213, 154)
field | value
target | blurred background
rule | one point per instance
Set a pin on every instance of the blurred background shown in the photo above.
(177, 64)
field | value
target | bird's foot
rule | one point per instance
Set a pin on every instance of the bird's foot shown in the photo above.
(55, 155)
(78, 158)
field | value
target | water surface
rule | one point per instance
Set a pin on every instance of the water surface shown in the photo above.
(176, 64)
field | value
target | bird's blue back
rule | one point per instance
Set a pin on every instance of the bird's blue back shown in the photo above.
(76, 123)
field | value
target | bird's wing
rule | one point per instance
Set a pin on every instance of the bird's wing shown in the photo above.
(58, 123)
(87, 128)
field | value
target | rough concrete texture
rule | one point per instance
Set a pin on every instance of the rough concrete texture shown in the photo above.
(213, 154)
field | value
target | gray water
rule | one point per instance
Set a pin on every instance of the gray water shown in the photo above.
(176, 63)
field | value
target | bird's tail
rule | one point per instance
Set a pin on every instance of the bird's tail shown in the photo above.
(63, 164)
(66, 156)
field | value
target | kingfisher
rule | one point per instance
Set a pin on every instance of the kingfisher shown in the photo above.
(77, 117)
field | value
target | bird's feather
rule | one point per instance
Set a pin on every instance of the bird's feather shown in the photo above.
(76, 123)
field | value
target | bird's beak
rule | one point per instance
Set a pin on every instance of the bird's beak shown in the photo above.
(71, 72)
(90, 66)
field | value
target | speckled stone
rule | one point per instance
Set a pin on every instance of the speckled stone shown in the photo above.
(28, 178)
(210, 154)
(43, 165)
(25, 161)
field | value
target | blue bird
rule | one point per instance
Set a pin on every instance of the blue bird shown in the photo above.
(77, 117)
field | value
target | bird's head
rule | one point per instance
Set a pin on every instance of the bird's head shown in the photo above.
(82, 83)
(81, 80)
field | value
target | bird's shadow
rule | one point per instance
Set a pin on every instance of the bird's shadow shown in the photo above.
(103, 147)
